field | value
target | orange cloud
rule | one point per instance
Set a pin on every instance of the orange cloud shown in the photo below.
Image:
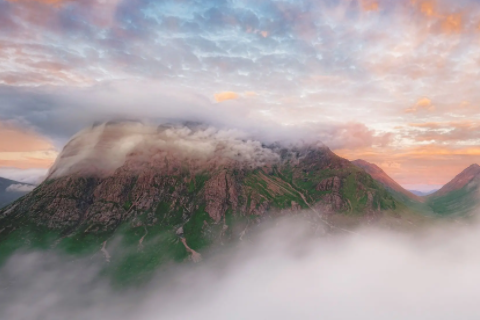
(452, 23)
(443, 132)
(16, 140)
(27, 160)
(424, 103)
(428, 8)
(24, 149)
(450, 125)
(227, 95)
(370, 6)
(353, 136)
(429, 125)
(449, 22)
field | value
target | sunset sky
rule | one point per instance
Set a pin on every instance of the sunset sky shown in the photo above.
(393, 82)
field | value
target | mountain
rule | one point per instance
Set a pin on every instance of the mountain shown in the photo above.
(460, 196)
(12, 190)
(422, 193)
(167, 193)
(467, 176)
(379, 175)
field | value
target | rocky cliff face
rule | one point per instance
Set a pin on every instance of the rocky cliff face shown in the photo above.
(202, 185)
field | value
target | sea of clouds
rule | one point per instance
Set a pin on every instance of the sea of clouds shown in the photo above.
(283, 273)
(18, 187)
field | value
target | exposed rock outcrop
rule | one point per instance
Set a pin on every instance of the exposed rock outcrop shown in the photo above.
(331, 184)
(335, 200)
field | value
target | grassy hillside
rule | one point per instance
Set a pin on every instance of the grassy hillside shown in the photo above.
(458, 202)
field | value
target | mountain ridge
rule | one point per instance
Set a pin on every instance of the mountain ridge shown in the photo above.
(381, 176)
(459, 181)
(460, 196)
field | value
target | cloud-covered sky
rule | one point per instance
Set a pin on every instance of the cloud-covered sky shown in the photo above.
(392, 82)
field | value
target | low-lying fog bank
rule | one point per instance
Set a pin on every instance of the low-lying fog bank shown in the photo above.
(281, 274)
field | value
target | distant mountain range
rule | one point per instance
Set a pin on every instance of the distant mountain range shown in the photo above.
(422, 193)
(12, 190)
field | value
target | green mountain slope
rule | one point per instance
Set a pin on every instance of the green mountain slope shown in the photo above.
(460, 196)
(412, 201)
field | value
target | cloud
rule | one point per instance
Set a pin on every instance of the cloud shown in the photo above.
(422, 104)
(450, 18)
(453, 23)
(352, 136)
(27, 160)
(103, 148)
(322, 62)
(281, 274)
(30, 176)
(53, 2)
(135, 144)
(15, 139)
(227, 95)
(62, 114)
(427, 7)
(370, 5)
(20, 188)
(441, 132)
(23, 148)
